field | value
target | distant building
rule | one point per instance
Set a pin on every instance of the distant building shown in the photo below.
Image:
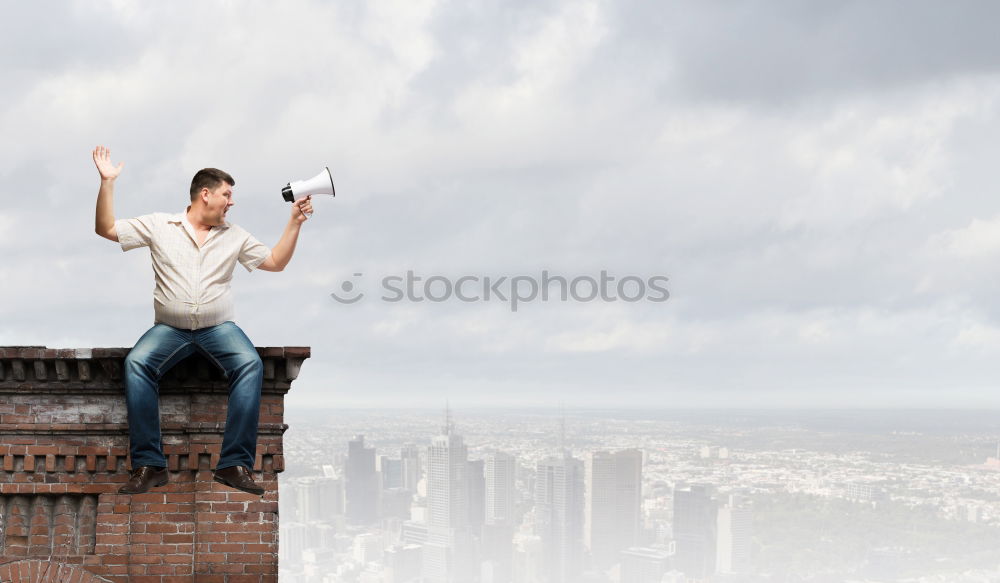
(529, 560)
(402, 563)
(559, 500)
(734, 529)
(865, 492)
(500, 471)
(391, 471)
(613, 504)
(695, 524)
(413, 532)
(361, 484)
(477, 494)
(714, 451)
(448, 556)
(367, 548)
(410, 454)
(498, 532)
(643, 565)
(307, 500)
(329, 499)
(292, 539)
(396, 503)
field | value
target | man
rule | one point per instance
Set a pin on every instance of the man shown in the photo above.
(194, 254)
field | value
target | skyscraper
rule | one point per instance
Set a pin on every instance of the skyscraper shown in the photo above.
(500, 469)
(307, 497)
(695, 523)
(361, 482)
(643, 565)
(735, 529)
(402, 563)
(529, 560)
(498, 532)
(410, 454)
(559, 499)
(392, 472)
(330, 492)
(614, 504)
(447, 552)
(477, 495)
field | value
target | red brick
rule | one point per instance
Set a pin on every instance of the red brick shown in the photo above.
(149, 537)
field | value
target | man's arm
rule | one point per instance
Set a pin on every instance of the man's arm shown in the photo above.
(282, 253)
(104, 221)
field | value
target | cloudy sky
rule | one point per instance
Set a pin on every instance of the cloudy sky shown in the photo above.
(812, 177)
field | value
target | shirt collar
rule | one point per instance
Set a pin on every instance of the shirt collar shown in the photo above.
(181, 219)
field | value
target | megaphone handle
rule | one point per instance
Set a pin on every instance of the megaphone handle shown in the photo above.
(299, 206)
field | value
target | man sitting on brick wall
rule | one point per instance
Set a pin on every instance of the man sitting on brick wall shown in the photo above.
(194, 254)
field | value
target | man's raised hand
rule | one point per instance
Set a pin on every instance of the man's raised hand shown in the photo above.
(102, 159)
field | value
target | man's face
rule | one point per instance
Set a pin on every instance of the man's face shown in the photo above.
(217, 203)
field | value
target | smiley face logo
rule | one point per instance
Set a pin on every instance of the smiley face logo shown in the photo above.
(349, 295)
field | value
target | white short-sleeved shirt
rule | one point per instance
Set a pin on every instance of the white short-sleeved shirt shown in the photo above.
(192, 283)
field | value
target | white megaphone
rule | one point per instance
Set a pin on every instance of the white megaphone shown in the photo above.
(322, 183)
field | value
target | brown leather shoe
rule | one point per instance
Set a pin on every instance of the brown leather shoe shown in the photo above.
(238, 477)
(143, 478)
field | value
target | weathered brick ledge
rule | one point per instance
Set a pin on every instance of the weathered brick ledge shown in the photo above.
(63, 455)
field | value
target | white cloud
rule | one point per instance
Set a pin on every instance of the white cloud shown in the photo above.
(827, 239)
(979, 240)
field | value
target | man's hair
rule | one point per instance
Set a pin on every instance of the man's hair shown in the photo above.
(209, 178)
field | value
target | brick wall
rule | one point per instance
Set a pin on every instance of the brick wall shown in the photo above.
(64, 454)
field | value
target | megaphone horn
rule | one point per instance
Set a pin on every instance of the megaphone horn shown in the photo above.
(322, 183)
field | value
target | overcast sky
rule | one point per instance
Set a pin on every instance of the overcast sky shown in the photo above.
(814, 178)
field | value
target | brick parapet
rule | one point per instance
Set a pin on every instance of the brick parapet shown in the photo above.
(64, 453)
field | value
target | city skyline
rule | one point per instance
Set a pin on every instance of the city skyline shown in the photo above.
(743, 501)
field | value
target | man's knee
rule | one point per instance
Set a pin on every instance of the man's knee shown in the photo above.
(137, 362)
(250, 363)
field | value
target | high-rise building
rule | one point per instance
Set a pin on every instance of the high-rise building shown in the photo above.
(410, 454)
(402, 563)
(392, 472)
(559, 500)
(498, 532)
(614, 504)
(735, 529)
(643, 565)
(330, 498)
(501, 469)
(477, 495)
(292, 540)
(396, 503)
(695, 523)
(288, 502)
(367, 548)
(307, 500)
(529, 560)
(447, 553)
(361, 484)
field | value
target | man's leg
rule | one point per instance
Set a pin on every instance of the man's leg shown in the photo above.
(154, 354)
(233, 352)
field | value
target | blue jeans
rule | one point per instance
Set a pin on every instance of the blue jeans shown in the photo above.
(161, 348)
